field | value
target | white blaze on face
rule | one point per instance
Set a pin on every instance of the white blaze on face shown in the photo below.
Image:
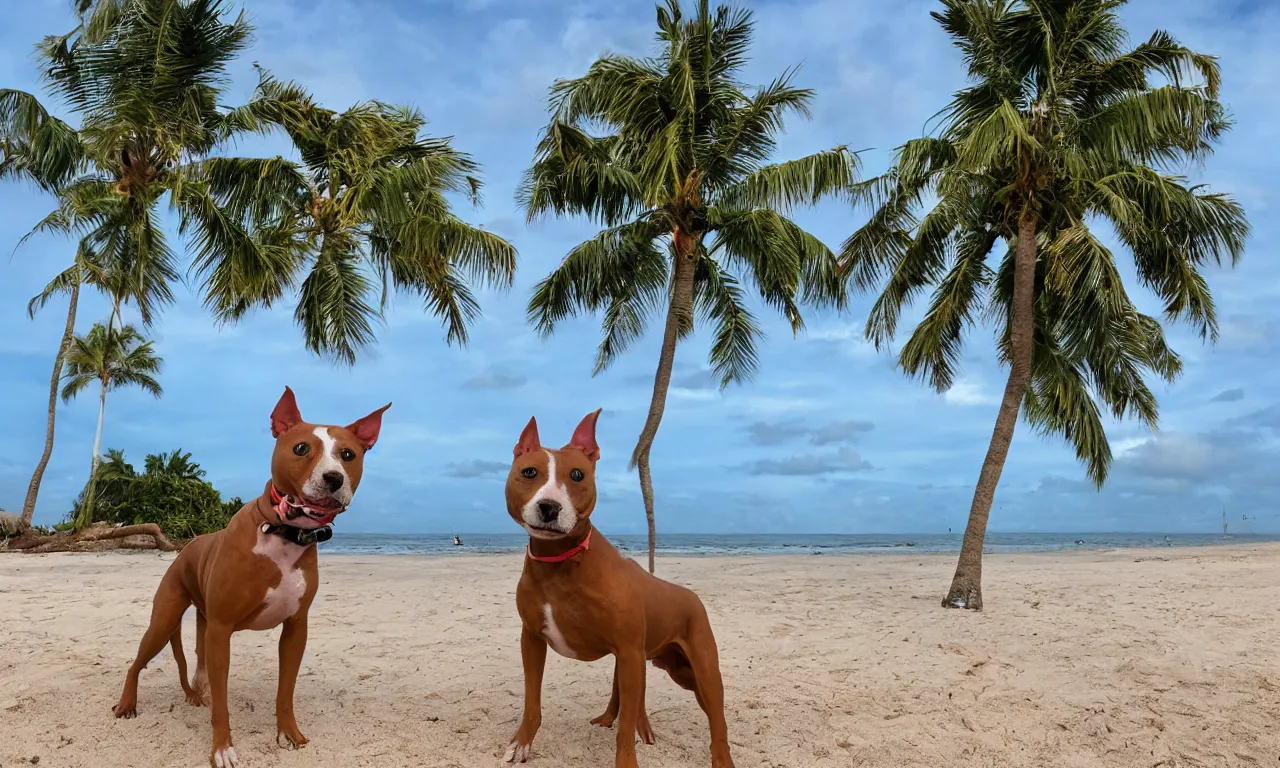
(555, 491)
(329, 461)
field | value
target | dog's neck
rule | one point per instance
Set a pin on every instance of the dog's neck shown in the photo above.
(269, 520)
(564, 548)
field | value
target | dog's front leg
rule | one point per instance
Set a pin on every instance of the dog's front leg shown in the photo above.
(293, 642)
(217, 646)
(533, 654)
(629, 673)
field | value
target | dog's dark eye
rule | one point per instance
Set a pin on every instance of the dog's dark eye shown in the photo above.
(348, 454)
(576, 475)
(529, 472)
(301, 449)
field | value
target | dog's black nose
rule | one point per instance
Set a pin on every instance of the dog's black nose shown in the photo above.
(333, 481)
(548, 510)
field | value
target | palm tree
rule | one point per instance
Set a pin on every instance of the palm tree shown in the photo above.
(693, 216)
(114, 358)
(144, 77)
(1060, 130)
(365, 212)
(41, 149)
(175, 464)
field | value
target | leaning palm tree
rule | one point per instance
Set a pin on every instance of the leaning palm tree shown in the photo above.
(38, 148)
(365, 212)
(113, 358)
(86, 269)
(1060, 130)
(143, 79)
(676, 172)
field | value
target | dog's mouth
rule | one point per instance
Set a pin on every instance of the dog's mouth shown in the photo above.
(320, 511)
(542, 532)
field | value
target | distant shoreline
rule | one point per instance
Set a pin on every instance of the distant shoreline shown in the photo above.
(794, 545)
(735, 545)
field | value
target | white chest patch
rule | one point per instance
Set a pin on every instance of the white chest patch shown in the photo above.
(282, 600)
(552, 634)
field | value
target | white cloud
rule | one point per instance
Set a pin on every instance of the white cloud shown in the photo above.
(847, 338)
(969, 391)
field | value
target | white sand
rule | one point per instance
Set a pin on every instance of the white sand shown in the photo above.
(1148, 658)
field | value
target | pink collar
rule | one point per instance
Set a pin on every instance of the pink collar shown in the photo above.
(278, 501)
(560, 558)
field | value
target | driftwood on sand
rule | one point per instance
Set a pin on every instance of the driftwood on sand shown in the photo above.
(96, 538)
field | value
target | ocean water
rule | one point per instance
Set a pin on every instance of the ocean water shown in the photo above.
(782, 544)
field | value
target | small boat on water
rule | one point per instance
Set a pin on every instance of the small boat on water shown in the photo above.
(457, 542)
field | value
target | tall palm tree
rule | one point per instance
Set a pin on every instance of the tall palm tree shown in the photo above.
(145, 86)
(143, 78)
(38, 148)
(694, 217)
(364, 213)
(86, 269)
(113, 358)
(1060, 129)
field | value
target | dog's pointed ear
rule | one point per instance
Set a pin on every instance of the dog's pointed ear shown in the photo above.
(366, 428)
(285, 416)
(584, 437)
(528, 439)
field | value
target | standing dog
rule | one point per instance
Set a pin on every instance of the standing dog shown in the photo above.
(581, 597)
(258, 572)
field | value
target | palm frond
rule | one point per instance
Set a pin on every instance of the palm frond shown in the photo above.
(619, 262)
(804, 181)
(721, 301)
(333, 302)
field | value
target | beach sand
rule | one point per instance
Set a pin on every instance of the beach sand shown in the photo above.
(1130, 658)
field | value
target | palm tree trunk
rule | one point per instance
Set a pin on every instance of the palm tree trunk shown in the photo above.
(966, 585)
(29, 506)
(679, 318)
(86, 509)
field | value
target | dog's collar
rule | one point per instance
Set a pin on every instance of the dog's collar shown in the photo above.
(303, 537)
(560, 558)
(279, 501)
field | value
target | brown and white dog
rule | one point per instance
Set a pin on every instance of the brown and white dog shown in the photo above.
(581, 597)
(258, 572)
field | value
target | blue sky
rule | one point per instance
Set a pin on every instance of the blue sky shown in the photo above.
(830, 437)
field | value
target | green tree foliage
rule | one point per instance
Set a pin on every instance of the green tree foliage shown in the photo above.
(364, 213)
(170, 491)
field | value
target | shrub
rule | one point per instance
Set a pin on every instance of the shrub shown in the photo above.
(171, 492)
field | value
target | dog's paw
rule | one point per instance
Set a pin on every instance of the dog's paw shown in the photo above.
(290, 739)
(126, 709)
(196, 698)
(224, 758)
(518, 753)
(644, 732)
(605, 720)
